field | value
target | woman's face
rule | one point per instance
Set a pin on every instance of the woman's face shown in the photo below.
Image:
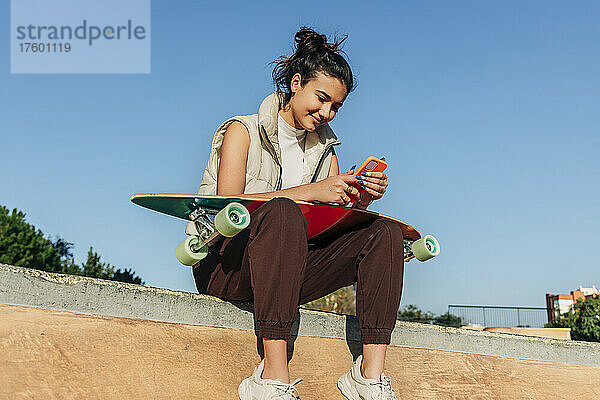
(317, 102)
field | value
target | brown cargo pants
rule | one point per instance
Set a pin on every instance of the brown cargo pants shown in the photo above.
(271, 263)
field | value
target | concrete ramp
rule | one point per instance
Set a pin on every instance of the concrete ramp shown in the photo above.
(64, 337)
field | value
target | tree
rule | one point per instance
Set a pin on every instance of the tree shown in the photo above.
(583, 318)
(95, 268)
(448, 319)
(413, 314)
(23, 245)
(127, 275)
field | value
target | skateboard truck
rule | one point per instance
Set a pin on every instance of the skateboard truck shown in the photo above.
(227, 222)
(202, 222)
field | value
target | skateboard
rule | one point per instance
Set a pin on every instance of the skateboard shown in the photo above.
(218, 216)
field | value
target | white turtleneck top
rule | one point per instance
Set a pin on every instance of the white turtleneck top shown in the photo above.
(291, 143)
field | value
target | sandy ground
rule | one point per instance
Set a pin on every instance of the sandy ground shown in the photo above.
(48, 354)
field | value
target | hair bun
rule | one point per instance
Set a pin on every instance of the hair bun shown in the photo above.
(307, 40)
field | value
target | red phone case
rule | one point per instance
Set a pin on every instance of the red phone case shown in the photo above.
(371, 164)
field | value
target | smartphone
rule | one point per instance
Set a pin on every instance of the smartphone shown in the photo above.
(371, 164)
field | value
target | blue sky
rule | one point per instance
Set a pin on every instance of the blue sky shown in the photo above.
(487, 114)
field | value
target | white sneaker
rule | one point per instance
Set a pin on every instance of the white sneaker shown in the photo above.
(257, 388)
(354, 387)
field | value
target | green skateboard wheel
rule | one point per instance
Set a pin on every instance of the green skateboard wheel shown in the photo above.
(425, 248)
(189, 252)
(232, 219)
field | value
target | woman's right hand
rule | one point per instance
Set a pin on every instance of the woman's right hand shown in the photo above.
(335, 189)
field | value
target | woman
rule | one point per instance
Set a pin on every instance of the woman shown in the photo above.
(285, 152)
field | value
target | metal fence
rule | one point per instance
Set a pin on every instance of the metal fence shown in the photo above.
(510, 317)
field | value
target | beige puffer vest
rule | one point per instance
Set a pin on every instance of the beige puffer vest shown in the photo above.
(263, 169)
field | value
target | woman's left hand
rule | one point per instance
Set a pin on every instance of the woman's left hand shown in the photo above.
(375, 184)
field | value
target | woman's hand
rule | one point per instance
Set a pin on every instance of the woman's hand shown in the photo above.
(374, 184)
(335, 189)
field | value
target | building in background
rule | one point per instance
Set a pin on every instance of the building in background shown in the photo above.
(561, 303)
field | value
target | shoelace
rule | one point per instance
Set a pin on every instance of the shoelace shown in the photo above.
(385, 388)
(287, 391)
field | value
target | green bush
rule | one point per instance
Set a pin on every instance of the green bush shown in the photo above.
(583, 318)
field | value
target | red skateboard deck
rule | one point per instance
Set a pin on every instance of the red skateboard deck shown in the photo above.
(229, 215)
(322, 219)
